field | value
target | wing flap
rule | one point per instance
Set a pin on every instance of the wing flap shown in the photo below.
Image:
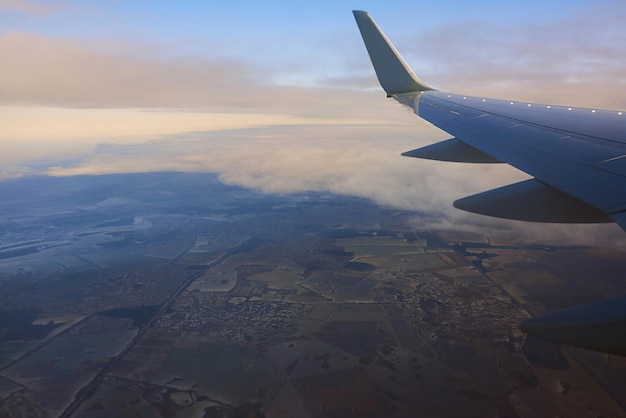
(451, 150)
(532, 200)
(599, 326)
(620, 219)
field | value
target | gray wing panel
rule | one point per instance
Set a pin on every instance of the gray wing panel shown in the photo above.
(452, 150)
(532, 200)
(605, 124)
(558, 152)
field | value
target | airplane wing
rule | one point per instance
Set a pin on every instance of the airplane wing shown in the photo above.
(577, 158)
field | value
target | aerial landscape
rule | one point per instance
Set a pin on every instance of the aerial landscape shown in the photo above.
(205, 211)
(171, 294)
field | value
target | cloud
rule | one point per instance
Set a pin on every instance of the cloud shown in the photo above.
(56, 72)
(506, 232)
(125, 124)
(60, 132)
(347, 159)
(11, 172)
(344, 160)
(38, 70)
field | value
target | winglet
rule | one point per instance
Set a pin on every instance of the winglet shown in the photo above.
(394, 74)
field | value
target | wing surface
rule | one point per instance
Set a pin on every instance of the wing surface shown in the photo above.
(576, 155)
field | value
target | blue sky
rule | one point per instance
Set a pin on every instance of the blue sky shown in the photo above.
(297, 42)
(280, 95)
(163, 20)
(266, 32)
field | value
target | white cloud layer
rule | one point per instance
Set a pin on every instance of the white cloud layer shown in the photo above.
(346, 160)
(351, 159)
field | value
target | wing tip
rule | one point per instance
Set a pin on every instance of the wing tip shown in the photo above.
(394, 74)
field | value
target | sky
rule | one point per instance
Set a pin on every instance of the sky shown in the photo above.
(280, 96)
